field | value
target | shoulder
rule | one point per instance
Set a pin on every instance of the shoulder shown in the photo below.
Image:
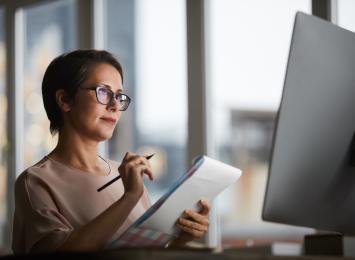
(34, 178)
(33, 170)
(34, 186)
(34, 173)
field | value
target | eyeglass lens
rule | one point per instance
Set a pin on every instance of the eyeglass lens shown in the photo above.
(105, 96)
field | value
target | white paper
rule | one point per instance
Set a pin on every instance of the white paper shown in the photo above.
(207, 182)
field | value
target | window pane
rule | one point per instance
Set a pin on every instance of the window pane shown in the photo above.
(346, 17)
(150, 42)
(3, 126)
(249, 43)
(49, 31)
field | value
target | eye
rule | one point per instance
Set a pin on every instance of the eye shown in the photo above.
(104, 95)
(103, 91)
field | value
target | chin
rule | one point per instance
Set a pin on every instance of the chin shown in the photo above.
(101, 134)
(106, 135)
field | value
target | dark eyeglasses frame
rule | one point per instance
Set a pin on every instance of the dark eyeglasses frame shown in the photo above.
(117, 96)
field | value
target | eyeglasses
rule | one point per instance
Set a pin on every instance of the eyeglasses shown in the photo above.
(105, 96)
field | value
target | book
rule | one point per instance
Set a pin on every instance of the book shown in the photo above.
(204, 180)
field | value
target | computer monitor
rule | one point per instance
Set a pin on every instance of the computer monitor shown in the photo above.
(311, 178)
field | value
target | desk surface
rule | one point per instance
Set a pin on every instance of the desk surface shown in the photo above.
(165, 254)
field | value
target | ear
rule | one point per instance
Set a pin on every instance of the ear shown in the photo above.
(62, 100)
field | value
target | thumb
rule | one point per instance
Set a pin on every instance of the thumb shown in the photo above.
(205, 207)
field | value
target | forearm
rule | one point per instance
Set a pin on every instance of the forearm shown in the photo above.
(95, 234)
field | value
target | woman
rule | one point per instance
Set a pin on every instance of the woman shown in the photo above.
(57, 207)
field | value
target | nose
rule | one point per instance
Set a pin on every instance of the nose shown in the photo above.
(114, 105)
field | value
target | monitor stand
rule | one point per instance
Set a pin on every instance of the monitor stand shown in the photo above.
(329, 244)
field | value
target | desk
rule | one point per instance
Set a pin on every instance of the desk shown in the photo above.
(165, 254)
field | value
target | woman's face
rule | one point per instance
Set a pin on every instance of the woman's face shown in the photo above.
(87, 116)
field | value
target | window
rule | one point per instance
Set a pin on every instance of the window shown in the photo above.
(149, 38)
(345, 15)
(49, 30)
(249, 43)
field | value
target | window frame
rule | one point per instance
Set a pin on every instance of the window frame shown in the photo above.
(87, 38)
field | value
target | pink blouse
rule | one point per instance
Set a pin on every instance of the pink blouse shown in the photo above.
(52, 199)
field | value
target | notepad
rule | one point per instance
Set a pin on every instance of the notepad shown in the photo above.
(204, 180)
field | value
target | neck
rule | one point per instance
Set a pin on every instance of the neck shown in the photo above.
(76, 151)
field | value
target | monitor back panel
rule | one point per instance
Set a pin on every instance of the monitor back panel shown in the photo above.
(310, 180)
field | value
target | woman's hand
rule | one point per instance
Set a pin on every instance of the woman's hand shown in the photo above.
(104, 226)
(132, 170)
(192, 224)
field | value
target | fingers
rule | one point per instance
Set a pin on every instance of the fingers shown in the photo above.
(129, 157)
(132, 161)
(142, 169)
(194, 223)
(205, 207)
(196, 217)
(147, 171)
(193, 232)
(137, 167)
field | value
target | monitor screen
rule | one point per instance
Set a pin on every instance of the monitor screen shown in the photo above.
(311, 178)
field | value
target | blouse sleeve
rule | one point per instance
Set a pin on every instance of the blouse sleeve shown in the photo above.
(38, 224)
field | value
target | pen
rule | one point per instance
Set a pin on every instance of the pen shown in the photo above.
(119, 176)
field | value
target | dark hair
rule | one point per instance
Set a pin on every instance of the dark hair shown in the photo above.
(68, 72)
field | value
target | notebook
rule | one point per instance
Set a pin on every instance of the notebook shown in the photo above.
(204, 180)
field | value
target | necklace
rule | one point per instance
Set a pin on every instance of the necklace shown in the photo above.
(49, 156)
(109, 167)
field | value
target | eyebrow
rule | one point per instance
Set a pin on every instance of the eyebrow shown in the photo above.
(108, 86)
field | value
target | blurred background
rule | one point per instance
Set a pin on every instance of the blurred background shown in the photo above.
(243, 46)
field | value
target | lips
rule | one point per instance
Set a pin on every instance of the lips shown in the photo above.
(109, 119)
